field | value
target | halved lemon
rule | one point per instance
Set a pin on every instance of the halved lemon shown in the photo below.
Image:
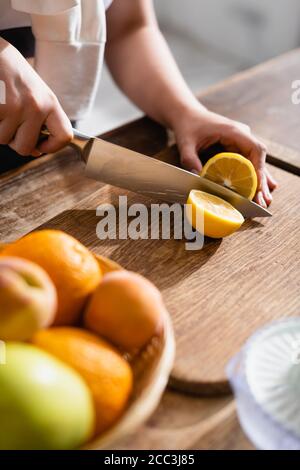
(233, 171)
(211, 215)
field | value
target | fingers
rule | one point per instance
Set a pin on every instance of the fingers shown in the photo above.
(30, 104)
(256, 151)
(258, 157)
(259, 199)
(36, 153)
(190, 159)
(22, 133)
(21, 138)
(212, 128)
(266, 184)
(26, 138)
(7, 131)
(263, 195)
(272, 183)
(60, 130)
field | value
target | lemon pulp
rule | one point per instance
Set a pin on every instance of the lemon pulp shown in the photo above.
(212, 216)
(233, 171)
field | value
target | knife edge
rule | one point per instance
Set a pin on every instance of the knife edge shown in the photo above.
(133, 171)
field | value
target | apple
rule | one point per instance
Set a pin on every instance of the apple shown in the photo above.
(44, 404)
(28, 299)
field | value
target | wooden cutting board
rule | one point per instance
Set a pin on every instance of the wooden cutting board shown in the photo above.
(220, 295)
(217, 296)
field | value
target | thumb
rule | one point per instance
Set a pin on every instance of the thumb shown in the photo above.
(189, 158)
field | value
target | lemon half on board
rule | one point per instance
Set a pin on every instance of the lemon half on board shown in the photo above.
(211, 215)
(232, 171)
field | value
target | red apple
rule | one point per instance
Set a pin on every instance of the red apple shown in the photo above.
(28, 299)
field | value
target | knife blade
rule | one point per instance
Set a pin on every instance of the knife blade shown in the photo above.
(126, 169)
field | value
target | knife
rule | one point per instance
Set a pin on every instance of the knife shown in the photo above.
(118, 166)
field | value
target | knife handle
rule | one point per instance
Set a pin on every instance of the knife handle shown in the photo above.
(81, 142)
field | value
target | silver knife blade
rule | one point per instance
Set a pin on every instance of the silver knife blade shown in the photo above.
(118, 166)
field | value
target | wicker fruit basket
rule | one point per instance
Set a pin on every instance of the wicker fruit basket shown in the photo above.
(151, 370)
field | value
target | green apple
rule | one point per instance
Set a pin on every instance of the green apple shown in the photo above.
(28, 299)
(44, 404)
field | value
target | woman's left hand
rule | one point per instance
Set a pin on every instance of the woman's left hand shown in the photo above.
(197, 129)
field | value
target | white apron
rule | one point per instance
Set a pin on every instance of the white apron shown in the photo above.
(70, 40)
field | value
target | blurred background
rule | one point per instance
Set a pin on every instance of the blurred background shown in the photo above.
(211, 40)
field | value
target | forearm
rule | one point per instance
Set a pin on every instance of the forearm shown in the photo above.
(143, 67)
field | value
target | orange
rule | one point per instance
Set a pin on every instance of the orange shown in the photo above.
(106, 373)
(72, 268)
(126, 309)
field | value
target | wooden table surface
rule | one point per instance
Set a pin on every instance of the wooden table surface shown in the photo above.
(53, 191)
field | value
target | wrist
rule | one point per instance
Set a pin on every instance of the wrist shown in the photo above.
(186, 111)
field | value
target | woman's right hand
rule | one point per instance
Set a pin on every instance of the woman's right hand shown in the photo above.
(29, 105)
